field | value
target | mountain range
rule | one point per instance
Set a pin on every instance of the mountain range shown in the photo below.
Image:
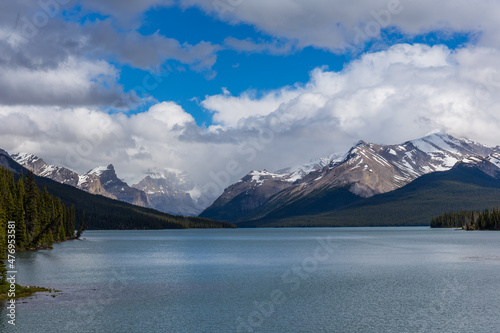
(164, 191)
(371, 184)
(102, 211)
(335, 190)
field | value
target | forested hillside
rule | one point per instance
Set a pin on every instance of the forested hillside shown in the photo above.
(106, 213)
(40, 219)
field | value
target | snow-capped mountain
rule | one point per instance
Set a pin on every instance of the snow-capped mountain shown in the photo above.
(257, 187)
(366, 170)
(489, 165)
(42, 169)
(162, 190)
(100, 180)
(88, 182)
(168, 191)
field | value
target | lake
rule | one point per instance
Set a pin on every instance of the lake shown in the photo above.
(265, 280)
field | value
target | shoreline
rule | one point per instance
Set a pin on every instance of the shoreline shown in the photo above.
(24, 291)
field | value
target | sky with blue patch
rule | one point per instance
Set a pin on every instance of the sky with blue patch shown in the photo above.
(235, 71)
(191, 85)
(239, 71)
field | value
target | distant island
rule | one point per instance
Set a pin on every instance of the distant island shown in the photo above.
(469, 220)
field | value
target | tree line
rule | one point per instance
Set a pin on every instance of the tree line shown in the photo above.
(469, 220)
(40, 218)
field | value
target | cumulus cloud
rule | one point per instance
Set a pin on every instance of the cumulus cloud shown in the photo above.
(386, 97)
(229, 110)
(70, 83)
(45, 59)
(336, 25)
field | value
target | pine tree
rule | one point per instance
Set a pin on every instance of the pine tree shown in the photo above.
(19, 214)
(31, 206)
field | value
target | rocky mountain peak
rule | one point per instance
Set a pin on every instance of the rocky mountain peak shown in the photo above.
(367, 169)
(168, 191)
(39, 167)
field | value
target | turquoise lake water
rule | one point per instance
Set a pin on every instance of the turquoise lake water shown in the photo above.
(265, 280)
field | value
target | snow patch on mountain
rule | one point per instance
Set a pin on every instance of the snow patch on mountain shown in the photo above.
(495, 159)
(81, 180)
(472, 160)
(299, 171)
(98, 171)
(25, 158)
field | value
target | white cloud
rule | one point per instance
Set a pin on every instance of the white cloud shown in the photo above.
(160, 120)
(228, 109)
(386, 97)
(28, 45)
(333, 24)
(71, 82)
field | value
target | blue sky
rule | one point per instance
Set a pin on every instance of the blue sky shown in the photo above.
(235, 70)
(239, 71)
(180, 85)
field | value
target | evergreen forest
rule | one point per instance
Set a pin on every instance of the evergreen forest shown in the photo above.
(469, 220)
(38, 218)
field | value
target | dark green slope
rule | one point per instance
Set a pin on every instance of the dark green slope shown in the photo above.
(317, 202)
(463, 187)
(106, 213)
(231, 211)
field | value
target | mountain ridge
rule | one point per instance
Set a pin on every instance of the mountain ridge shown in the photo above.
(464, 187)
(366, 170)
(103, 180)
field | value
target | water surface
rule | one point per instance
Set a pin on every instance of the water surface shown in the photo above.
(265, 280)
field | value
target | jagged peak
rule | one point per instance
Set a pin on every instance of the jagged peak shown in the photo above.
(442, 136)
(262, 173)
(24, 158)
(360, 143)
